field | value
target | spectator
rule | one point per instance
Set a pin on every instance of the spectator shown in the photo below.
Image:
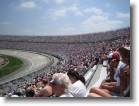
(30, 93)
(110, 83)
(124, 74)
(61, 85)
(108, 87)
(78, 88)
(44, 92)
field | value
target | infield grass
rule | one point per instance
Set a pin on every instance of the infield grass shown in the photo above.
(13, 64)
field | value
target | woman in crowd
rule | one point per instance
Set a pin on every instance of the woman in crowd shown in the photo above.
(78, 88)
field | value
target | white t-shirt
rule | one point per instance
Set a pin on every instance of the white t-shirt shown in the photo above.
(116, 76)
(66, 95)
(78, 89)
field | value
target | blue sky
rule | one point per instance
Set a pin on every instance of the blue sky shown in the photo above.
(62, 17)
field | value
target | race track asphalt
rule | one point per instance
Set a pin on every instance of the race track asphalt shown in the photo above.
(32, 62)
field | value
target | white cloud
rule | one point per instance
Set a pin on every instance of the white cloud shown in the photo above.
(60, 13)
(56, 1)
(28, 4)
(123, 15)
(100, 23)
(64, 11)
(75, 10)
(97, 11)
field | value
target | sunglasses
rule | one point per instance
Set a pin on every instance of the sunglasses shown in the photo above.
(54, 83)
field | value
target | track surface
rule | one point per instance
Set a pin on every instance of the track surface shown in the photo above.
(32, 62)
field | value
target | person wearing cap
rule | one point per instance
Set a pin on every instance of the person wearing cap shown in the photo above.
(61, 85)
(110, 86)
(113, 68)
(113, 78)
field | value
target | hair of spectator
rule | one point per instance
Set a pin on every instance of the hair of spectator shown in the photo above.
(62, 78)
(125, 53)
(30, 93)
(45, 82)
(76, 75)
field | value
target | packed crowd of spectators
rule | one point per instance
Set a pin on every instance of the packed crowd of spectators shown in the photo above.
(78, 53)
(90, 37)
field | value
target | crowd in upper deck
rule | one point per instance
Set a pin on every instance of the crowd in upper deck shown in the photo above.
(79, 54)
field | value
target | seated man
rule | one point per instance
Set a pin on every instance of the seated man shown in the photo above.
(44, 92)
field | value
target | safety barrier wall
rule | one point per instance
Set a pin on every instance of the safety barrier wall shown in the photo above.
(103, 74)
(90, 74)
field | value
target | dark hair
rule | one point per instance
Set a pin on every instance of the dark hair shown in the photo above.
(45, 81)
(124, 51)
(30, 93)
(82, 79)
(76, 75)
(18, 93)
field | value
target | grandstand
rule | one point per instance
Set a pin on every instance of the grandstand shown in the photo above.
(82, 52)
